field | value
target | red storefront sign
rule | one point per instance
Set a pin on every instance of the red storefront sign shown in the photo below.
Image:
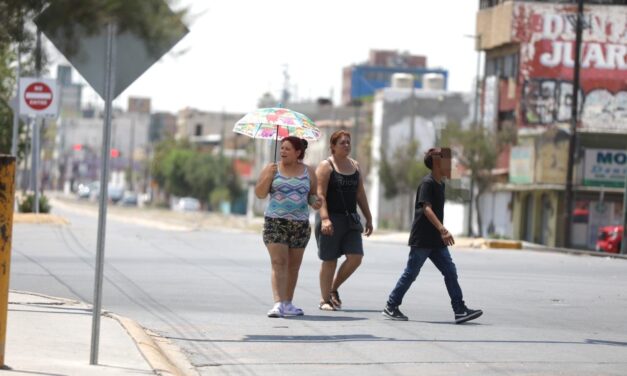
(546, 33)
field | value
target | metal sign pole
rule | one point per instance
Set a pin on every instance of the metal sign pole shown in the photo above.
(104, 179)
(36, 128)
(36, 153)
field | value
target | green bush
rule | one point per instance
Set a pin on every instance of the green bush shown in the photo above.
(218, 196)
(27, 204)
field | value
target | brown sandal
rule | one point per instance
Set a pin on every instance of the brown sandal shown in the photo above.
(326, 306)
(335, 300)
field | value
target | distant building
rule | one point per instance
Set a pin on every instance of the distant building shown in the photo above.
(71, 93)
(393, 109)
(529, 60)
(162, 126)
(82, 142)
(204, 127)
(362, 80)
(139, 105)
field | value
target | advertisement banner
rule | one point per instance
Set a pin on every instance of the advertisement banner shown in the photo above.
(546, 33)
(521, 165)
(605, 167)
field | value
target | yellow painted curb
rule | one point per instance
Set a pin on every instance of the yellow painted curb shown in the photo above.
(41, 218)
(164, 358)
(503, 244)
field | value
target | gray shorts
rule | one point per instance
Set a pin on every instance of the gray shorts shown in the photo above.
(343, 241)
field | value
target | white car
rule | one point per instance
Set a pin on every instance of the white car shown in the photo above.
(187, 204)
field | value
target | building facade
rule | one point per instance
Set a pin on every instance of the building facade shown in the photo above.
(395, 111)
(360, 81)
(529, 68)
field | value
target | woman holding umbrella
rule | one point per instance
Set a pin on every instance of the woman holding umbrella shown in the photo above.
(338, 228)
(286, 231)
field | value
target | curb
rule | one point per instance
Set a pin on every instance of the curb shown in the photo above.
(165, 358)
(502, 244)
(41, 218)
(578, 252)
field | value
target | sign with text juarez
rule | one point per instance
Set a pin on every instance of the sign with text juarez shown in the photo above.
(38, 97)
(605, 167)
(546, 33)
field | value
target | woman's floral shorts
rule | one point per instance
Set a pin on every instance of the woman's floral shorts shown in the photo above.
(286, 231)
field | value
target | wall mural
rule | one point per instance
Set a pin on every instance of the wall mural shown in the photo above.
(546, 33)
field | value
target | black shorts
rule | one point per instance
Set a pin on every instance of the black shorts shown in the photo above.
(295, 234)
(343, 241)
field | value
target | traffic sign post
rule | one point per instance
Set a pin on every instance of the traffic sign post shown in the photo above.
(38, 97)
(109, 74)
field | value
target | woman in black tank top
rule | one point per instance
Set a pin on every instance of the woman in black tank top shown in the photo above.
(341, 188)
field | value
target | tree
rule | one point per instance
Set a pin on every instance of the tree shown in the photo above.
(477, 150)
(183, 171)
(402, 172)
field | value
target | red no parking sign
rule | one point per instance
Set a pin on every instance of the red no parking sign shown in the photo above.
(38, 97)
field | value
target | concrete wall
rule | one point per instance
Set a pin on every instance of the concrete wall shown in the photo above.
(544, 215)
(392, 112)
(496, 214)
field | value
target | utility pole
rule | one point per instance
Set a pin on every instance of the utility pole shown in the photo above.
(412, 138)
(573, 127)
(131, 149)
(412, 109)
(222, 132)
(475, 125)
(623, 246)
(356, 103)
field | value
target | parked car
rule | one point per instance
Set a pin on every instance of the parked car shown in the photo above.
(129, 198)
(187, 204)
(115, 193)
(610, 239)
(85, 189)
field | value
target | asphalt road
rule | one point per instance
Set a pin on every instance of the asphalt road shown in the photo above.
(208, 292)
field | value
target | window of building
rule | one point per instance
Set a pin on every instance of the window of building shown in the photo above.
(198, 130)
(502, 66)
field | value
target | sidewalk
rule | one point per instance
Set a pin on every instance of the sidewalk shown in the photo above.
(52, 336)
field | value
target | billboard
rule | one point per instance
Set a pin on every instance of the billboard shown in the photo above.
(546, 33)
(522, 159)
(605, 167)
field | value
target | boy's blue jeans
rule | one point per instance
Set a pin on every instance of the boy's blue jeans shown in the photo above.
(442, 260)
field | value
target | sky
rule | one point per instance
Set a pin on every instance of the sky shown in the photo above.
(237, 50)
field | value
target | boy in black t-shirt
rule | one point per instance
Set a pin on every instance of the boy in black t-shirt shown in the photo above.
(430, 239)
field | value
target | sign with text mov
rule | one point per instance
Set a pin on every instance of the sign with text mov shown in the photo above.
(38, 97)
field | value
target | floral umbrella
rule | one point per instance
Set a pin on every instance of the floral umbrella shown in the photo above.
(276, 123)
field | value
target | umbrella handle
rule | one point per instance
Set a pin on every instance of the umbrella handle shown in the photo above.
(276, 142)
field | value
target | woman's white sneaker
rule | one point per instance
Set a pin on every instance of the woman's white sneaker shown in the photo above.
(276, 311)
(291, 310)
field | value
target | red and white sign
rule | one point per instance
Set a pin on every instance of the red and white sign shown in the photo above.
(546, 33)
(38, 97)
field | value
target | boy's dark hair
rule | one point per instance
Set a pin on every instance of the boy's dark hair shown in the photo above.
(429, 157)
(441, 152)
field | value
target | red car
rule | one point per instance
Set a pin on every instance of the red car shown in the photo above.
(610, 238)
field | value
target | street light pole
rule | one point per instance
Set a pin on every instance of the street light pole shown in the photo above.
(573, 127)
(475, 124)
